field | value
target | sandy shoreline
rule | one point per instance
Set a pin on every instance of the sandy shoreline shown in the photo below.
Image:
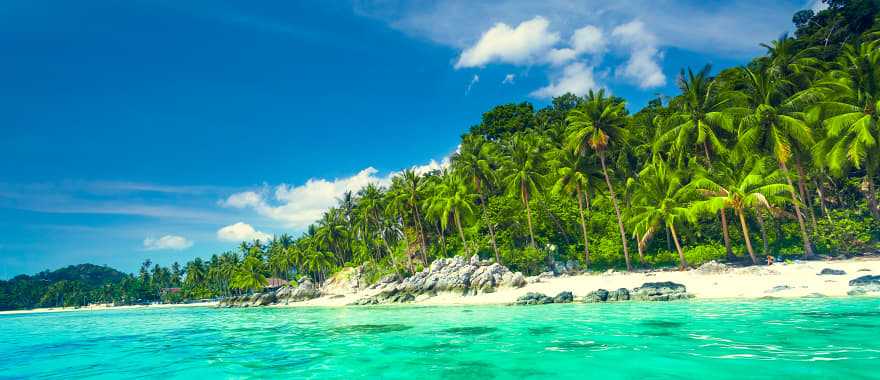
(793, 280)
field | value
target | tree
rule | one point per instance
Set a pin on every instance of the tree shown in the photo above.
(775, 126)
(524, 172)
(597, 125)
(452, 199)
(660, 198)
(249, 275)
(475, 161)
(574, 178)
(741, 186)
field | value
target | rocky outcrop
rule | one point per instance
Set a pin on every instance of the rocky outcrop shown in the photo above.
(602, 295)
(831, 272)
(533, 298)
(248, 300)
(456, 275)
(864, 285)
(660, 291)
(304, 291)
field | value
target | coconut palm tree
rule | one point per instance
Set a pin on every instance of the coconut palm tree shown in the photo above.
(599, 124)
(659, 198)
(452, 200)
(524, 171)
(575, 178)
(852, 133)
(249, 275)
(741, 186)
(474, 160)
(702, 116)
(775, 126)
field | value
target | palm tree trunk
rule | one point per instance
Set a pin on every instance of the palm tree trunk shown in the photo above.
(760, 214)
(802, 188)
(808, 246)
(525, 199)
(726, 233)
(616, 211)
(491, 228)
(460, 231)
(682, 261)
(668, 240)
(871, 196)
(821, 195)
(583, 227)
(706, 151)
(745, 230)
(423, 242)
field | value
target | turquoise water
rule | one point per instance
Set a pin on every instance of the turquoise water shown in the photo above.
(803, 339)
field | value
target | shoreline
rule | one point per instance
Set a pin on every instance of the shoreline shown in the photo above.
(795, 280)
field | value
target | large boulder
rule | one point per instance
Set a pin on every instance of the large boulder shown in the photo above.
(659, 291)
(304, 291)
(831, 272)
(600, 295)
(621, 294)
(533, 298)
(864, 285)
(563, 297)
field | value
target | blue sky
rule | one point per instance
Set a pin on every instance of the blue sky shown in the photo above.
(168, 129)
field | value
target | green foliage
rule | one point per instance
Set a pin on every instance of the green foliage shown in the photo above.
(848, 232)
(528, 260)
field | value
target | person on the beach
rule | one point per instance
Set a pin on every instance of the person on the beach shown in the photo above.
(770, 260)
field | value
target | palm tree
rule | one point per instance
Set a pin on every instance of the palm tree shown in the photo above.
(453, 200)
(412, 184)
(702, 116)
(853, 132)
(741, 186)
(475, 161)
(574, 177)
(597, 125)
(659, 198)
(524, 172)
(249, 275)
(775, 126)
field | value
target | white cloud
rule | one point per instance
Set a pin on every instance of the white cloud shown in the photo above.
(298, 206)
(588, 39)
(642, 67)
(561, 56)
(241, 231)
(526, 43)
(474, 80)
(576, 78)
(509, 79)
(167, 242)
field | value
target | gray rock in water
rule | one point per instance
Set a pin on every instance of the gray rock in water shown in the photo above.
(533, 298)
(831, 272)
(563, 297)
(621, 294)
(864, 285)
(304, 291)
(600, 295)
(660, 291)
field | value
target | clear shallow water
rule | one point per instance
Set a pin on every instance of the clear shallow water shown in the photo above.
(804, 339)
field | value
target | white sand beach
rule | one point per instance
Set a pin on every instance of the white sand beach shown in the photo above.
(792, 280)
(107, 307)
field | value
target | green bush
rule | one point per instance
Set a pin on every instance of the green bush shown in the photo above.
(847, 232)
(528, 260)
(703, 253)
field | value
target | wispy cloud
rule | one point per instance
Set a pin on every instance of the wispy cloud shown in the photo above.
(167, 242)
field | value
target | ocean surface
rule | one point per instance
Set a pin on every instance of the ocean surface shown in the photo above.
(759, 339)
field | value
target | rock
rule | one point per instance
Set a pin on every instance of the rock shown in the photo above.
(532, 298)
(569, 267)
(864, 270)
(864, 285)
(546, 275)
(831, 272)
(660, 291)
(621, 294)
(563, 297)
(778, 288)
(600, 295)
(256, 299)
(304, 291)
(513, 280)
(713, 267)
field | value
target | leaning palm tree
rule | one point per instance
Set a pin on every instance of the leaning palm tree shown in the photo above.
(775, 126)
(452, 200)
(475, 160)
(598, 124)
(702, 116)
(574, 178)
(852, 133)
(741, 186)
(524, 172)
(659, 198)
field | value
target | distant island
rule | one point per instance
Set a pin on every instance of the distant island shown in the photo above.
(773, 161)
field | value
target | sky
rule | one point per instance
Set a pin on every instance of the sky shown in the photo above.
(174, 129)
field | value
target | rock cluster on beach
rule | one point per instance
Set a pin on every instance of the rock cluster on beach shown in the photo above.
(456, 275)
(649, 291)
(864, 285)
(831, 272)
(304, 291)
